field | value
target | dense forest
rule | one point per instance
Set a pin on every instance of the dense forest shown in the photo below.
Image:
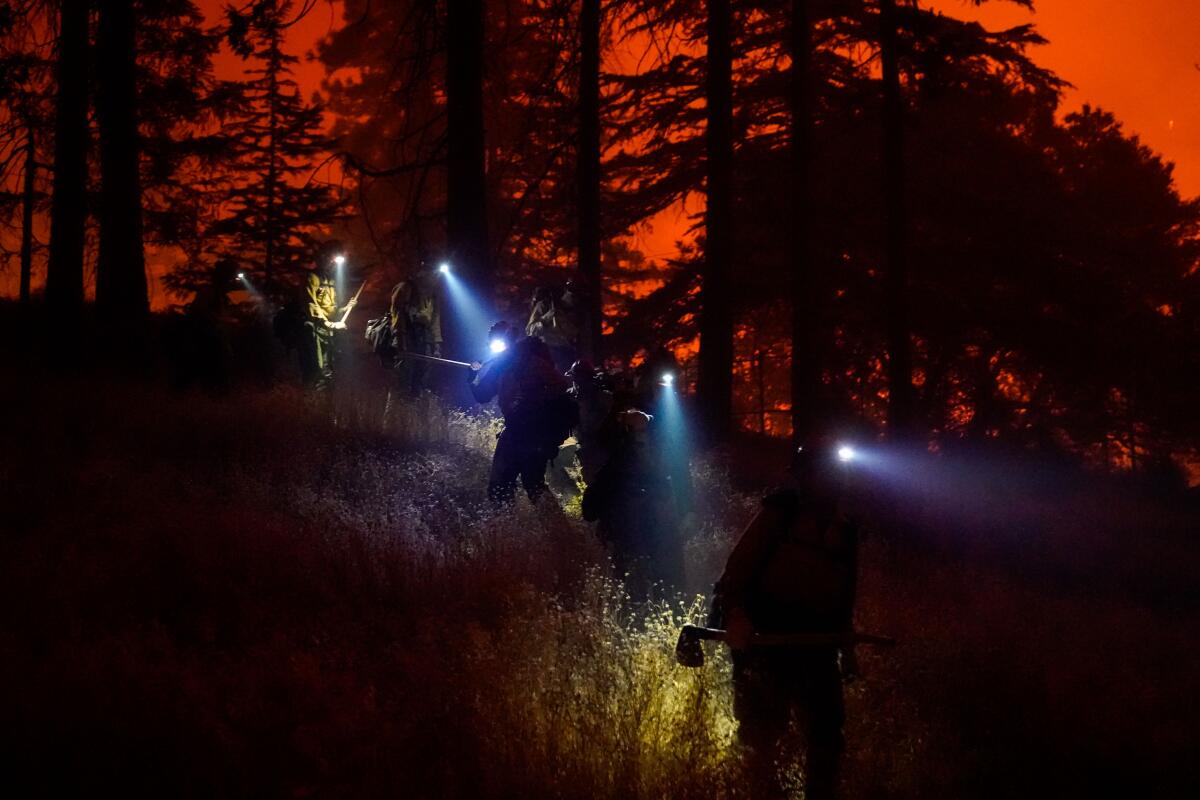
(226, 571)
(891, 194)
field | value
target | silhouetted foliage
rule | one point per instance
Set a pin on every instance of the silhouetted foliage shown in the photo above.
(275, 208)
(122, 302)
(1049, 262)
(68, 211)
(26, 131)
(183, 157)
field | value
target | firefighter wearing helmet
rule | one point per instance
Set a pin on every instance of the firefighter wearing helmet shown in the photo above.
(793, 571)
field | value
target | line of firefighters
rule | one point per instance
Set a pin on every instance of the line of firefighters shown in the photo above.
(791, 576)
(565, 413)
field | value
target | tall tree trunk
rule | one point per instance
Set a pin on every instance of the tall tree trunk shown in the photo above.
(899, 366)
(466, 189)
(68, 209)
(270, 225)
(805, 346)
(589, 177)
(716, 313)
(122, 304)
(28, 197)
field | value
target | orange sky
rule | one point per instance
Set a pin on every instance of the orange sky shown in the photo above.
(1136, 58)
(325, 16)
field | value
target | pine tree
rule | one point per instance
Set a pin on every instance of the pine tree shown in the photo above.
(274, 212)
(588, 177)
(896, 290)
(122, 303)
(68, 213)
(716, 304)
(389, 119)
(805, 372)
(466, 181)
(400, 118)
(26, 122)
(183, 151)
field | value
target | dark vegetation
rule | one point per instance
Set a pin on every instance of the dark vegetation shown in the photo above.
(894, 194)
(900, 236)
(270, 595)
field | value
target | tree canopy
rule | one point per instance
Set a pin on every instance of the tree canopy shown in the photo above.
(1051, 262)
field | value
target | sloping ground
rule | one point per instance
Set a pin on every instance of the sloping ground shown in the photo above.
(263, 596)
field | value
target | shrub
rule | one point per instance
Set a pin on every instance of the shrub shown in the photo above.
(264, 595)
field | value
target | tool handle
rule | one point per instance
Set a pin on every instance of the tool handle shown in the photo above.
(434, 359)
(794, 639)
(350, 306)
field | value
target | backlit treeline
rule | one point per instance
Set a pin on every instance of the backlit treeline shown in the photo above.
(891, 225)
(144, 155)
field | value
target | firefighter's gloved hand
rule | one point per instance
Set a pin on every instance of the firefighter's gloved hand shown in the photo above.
(738, 629)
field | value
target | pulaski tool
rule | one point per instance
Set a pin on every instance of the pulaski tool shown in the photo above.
(353, 302)
(689, 652)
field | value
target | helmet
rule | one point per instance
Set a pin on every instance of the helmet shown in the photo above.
(634, 421)
(501, 330)
(327, 251)
(581, 369)
(805, 461)
(224, 271)
(816, 459)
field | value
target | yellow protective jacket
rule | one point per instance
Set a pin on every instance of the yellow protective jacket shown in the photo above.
(416, 304)
(321, 296)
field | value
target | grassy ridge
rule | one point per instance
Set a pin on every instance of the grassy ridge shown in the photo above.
(263, 596)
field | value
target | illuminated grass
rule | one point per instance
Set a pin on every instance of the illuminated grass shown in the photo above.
(269, 595)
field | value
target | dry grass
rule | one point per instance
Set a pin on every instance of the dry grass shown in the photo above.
(270, 596)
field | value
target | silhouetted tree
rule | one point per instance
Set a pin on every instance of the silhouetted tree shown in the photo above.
(68, 213)
(588, 155)
(121, 299)
(28, 202)
(1003, 342)
(466, 183)
(715, 383)
(394, 119)
(183, 149)
(26, 116)
(389, 120)
(805, 351)
(899, 362)
(275, 210)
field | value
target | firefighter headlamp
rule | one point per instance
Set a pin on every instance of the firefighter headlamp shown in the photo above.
(444, 268)
(846, 454)
(668, 379)
(498, 346)
(339, 259)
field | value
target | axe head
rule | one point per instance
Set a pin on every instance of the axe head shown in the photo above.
(688, 650)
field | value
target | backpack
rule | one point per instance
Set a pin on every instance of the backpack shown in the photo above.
(807, 578)
(529, 378)
(379, 335)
